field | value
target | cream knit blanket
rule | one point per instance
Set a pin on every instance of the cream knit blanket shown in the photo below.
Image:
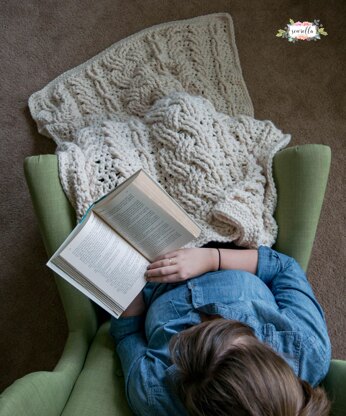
(170, 99)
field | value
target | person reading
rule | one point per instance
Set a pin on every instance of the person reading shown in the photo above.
(224, 331)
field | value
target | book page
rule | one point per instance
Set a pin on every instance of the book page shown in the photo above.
(69, 274)
(107, 260)
(143, 223)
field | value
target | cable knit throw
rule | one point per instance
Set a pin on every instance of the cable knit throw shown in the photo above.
(171, 100)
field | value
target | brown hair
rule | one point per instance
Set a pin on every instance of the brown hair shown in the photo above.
(224, 369)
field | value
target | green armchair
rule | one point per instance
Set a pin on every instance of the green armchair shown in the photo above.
(88, 378)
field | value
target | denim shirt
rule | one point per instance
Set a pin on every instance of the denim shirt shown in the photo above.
(277, 303)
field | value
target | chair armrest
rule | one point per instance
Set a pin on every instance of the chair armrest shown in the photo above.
(56, 220)
(301, 175)
(55, 215)
(46, 393)
(37, 394)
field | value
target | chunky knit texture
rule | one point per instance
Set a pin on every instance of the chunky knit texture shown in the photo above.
(198, 56)
(170, 99)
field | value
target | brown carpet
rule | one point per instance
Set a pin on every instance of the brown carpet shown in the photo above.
(300, 87)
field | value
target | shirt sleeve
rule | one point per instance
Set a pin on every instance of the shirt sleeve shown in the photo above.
(294, 297)
(140, 363)
(130, 341)
(288, 283)
(131, 345)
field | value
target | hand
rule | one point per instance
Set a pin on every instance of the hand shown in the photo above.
(182, 264)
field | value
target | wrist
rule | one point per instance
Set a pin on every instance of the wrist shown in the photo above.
(136, 307)
(132, 312)
(214, 259)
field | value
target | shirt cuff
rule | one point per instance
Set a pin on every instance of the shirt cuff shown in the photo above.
(124, 326)
(268, 264)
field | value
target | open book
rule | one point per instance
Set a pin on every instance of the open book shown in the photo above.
(107, 254)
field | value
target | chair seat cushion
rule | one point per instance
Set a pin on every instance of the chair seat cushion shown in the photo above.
(99, 389)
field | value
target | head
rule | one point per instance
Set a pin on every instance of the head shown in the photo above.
(223, 369)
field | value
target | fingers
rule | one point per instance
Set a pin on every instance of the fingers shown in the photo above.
(162, 263)
(165, 268)
(161, 271)
(167, 256)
